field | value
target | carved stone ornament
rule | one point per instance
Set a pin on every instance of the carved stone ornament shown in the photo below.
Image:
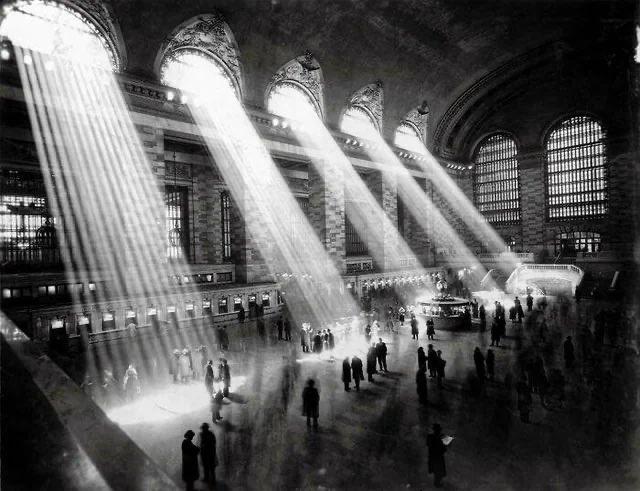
(303, 71)
(99, 15)
(370, 98)
(208, 34)
(419, 120)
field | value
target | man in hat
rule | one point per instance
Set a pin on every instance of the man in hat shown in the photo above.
(311, 403)
(225, 374)
(190, 470)
(356, 369)
(208, 452)
(437, 450)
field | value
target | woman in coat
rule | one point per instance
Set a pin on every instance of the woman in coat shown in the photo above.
(190, 469)
(437, 450)
(346, 373)
(371, 363)
(422, 358)
(311, 403)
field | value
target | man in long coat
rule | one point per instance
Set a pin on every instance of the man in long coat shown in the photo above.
(371, 363)
(346, 374)
(422, 358)
(437, 450)
(421, 385)
(311, 403)
(432, 360)
(356, 369)
(190, 470)
(208, 452)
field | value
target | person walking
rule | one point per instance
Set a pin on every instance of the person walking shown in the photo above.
(208, 377)
(569, 353)
(529, 302)
(311, 403)
(371, 363)
(356, 370)
(432, 360)
(495, 332)
(190, 469)
(208, 455)
(303, 340)
(483, 318)
(421, 386)
(491, 363)
(478, 359)
(431, 330)
(216, 404)
(381, 354)
(414, 327)
(346, 374)
(287, 330)
(367, 334)
(422, 358)
(437, 449)
(225, 375)
(331, 342)
(441, 363)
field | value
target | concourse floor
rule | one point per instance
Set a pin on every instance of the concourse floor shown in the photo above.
(376, 438)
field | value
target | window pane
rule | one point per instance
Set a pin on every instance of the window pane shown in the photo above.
(497, 185)
(575, 167)
(177, 221)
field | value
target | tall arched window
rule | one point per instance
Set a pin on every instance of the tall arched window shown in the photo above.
(52, 28)
(407, 137)
(197, 73)
(576, 169)
(225, 218)
(357, 122)
(290, 101)
(497, 184)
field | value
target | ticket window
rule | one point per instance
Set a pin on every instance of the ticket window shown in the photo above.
(84, 324)
(172, 315)
(108, 321)
(152, 316)
(130, 317)
(237, 304)
(252, 302)
(206, 307)
(279, 298)
(266, 300)
(188, 308)
(58, 334)
(223, 308)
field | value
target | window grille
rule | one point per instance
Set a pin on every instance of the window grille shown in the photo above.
(576, 175)
(176, 204)
(225, 207)
(497, 183)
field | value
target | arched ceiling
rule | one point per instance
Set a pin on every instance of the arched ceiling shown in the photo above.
(430, 50)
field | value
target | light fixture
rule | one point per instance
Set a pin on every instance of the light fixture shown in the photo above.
(275, 121)
(5, 54)
(171, 95)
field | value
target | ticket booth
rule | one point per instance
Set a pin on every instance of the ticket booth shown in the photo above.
(152, 317)
(237, 303)
(252, 305)
(206, 308)
(189, 310)
(266, 300)
(223, 308)
(108, 320)
(83, 323)
(58, 337)
(130, 317)
(172, 316)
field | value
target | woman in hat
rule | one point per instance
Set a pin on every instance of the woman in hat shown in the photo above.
(190, 470)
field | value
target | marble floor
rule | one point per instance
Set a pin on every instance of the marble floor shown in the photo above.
(376, 438)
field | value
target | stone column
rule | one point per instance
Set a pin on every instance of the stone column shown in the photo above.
(532, 203)
(384, 187)
(327, 211)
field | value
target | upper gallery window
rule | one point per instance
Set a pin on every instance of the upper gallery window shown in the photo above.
(576, 175)
(496, 184)
(54, 29)
(290, 101)
(408, 138)
(195, 72)
(357, 122)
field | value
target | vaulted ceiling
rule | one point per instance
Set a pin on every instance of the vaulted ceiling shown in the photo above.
(421, 49)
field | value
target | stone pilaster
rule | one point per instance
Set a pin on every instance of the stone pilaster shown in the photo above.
(327, 212)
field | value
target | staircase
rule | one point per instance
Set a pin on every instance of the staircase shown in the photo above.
(550, 278)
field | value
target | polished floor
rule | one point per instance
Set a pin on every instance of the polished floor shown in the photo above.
(376, 438)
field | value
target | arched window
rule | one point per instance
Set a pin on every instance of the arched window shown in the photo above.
(357, 122)
(55, 29)
(496, 184)
(225, 218)
(576, 169)
(569, 243)
(196, 72)
(407, 137)
(290, 101)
